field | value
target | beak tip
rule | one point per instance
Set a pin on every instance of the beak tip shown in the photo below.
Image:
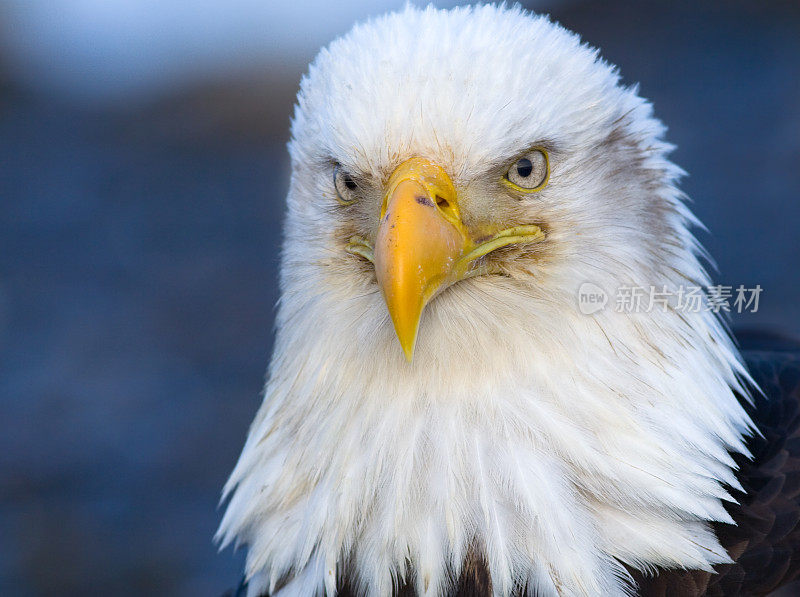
(408, 340)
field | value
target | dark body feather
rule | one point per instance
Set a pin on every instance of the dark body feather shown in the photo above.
(764, 544)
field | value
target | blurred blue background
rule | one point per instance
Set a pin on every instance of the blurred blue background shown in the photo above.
(142, 176)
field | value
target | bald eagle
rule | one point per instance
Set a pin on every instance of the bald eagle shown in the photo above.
(441, 417)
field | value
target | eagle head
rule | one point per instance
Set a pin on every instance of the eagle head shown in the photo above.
(435, 390)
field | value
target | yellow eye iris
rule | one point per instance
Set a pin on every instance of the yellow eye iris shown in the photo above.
(529, 173)
(346, 186)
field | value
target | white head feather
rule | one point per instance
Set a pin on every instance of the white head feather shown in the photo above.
(558, 444)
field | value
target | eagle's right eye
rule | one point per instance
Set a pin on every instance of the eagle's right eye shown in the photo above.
(346, 186)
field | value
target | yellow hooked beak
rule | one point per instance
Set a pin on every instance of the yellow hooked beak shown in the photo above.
(420, 239)
(422, 245)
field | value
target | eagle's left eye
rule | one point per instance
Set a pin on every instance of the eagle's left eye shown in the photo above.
(530, 172)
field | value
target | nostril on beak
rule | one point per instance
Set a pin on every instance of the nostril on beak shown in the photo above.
(442, 202)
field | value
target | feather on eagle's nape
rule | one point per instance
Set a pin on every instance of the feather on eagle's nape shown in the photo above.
(557, 450)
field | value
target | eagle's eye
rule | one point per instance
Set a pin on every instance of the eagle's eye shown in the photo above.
(530, 172)
(346, 186)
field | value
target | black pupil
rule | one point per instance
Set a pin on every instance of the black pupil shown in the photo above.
(349, 182)
(524, 167)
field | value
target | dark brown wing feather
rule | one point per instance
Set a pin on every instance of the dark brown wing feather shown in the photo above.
(764, 544)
